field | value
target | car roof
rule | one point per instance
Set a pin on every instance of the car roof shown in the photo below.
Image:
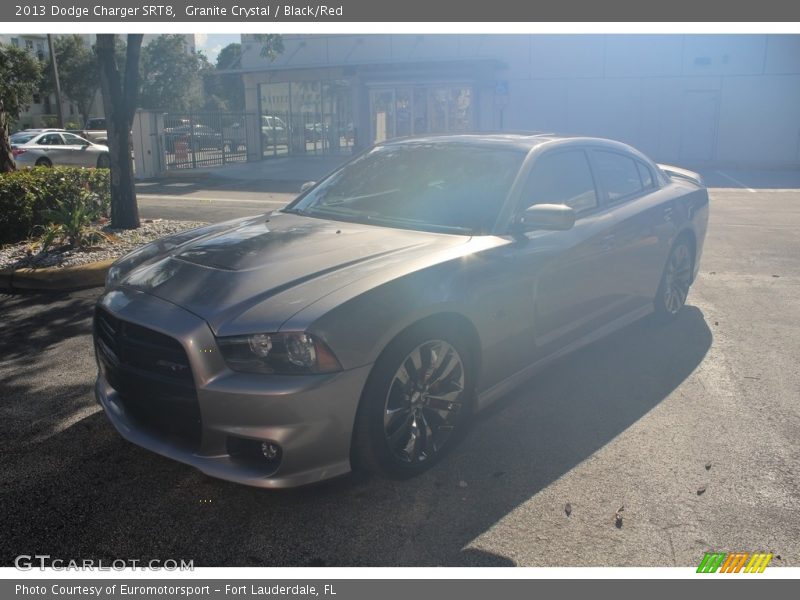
(521, 140)
(46, 130)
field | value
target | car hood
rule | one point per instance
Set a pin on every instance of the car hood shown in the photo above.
(255, 274)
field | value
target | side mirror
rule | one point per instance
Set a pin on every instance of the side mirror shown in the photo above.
(549, 217)
(307, 186)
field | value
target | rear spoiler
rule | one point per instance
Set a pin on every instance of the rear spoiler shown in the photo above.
(684, 174)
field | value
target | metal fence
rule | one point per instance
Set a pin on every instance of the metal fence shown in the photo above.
(205, 139)
(304, 133)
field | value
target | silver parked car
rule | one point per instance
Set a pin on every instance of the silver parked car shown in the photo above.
(52, 147)
(364, 323)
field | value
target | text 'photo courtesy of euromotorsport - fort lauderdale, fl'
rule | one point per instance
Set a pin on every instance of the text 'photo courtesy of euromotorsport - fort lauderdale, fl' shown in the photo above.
(297, 304)
(171, 590)
(168, 10)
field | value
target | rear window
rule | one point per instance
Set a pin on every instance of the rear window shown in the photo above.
(22, 138)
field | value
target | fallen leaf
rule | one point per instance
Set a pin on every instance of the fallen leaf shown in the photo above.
(462, 484)
(708, 466)
(568, 508)
(701, 490)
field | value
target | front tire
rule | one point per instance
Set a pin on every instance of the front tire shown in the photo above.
(43, 162)
(675, 281)
(416, 402)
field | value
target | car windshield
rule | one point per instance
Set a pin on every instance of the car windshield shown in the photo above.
(22, 137)
(430, 186)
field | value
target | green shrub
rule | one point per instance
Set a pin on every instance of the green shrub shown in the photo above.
(73, 216)
(26, 196)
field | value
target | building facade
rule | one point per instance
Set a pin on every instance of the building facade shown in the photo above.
(692, 99)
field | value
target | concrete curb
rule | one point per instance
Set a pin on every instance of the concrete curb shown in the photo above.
(56, 278)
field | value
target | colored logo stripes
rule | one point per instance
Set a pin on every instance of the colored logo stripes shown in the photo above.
(734, 562)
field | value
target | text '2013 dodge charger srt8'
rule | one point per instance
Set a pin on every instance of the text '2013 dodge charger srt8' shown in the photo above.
(366, 321)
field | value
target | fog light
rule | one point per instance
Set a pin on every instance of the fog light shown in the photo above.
(257, 454)
(269, 450)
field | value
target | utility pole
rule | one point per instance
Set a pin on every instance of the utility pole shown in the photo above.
(56, 82)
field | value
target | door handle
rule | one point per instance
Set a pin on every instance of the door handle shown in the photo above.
(668, 214)
(607, 243)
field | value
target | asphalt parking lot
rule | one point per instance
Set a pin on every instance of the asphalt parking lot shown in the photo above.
(692, 428)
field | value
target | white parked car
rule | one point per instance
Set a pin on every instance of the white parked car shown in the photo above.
(49, 147)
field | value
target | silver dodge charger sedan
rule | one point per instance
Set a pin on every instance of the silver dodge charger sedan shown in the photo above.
(366, 322)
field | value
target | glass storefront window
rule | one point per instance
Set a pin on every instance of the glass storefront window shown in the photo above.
(317, 117)
(421, 111)
(403, 112)
(382, 106)
(337, 115)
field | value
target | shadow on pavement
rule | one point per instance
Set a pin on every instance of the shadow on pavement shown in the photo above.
(85, 493)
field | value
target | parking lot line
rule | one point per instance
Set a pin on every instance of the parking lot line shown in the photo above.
(737, 182)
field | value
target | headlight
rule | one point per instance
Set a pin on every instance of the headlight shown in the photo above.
(113, 276)
(130, 261)
(291, 353)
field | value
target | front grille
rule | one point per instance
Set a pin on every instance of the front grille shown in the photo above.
(152, 376)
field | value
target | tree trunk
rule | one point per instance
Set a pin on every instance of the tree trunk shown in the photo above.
(119, 101)
(7, 163)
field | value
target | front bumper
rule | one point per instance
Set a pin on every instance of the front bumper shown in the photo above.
(310, 417)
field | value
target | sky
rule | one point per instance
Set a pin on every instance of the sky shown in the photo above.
(211, 43)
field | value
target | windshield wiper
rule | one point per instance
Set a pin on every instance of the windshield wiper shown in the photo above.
(295, 211)
(423, 224)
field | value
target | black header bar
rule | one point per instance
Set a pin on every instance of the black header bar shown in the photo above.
(346, 11)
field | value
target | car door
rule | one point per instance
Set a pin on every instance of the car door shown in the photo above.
(568, 270)
(52, 146)
(641, 226)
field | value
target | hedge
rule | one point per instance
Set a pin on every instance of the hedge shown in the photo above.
(26, 193)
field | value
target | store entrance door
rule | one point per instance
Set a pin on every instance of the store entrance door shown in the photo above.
(398, 111)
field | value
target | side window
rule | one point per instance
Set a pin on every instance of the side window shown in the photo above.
(51, 139)
(646, 175)
(561, 178)
(619, 174)
(73, 139)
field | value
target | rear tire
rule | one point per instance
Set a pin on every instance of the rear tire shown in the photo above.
(416, 403)
(103, 161)
(43, 162)
(675, 281)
